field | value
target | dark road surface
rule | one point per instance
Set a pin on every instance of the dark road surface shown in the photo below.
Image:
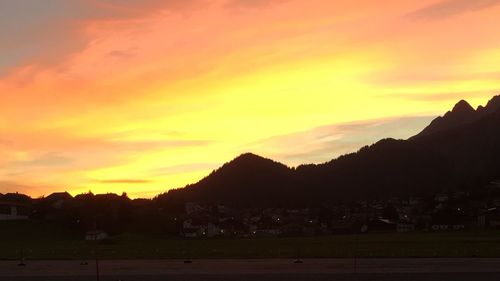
(458, 269)
(282, 277)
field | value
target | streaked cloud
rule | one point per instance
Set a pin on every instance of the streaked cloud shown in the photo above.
(450, 96)
(420, 76)
(324, 143)
(56, 26)
(252, 3)
(36, 189)
(5, 142)
(449, 8)
(44, 160)
(11, 187)
(183, 168)
(123, 54)
(127, 181)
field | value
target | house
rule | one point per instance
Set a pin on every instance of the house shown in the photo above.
(448, 219)
(447, 227)
(96, 235)
(191, 232)
(440, 227)
(414, 201)
(380, 225)
(495, 183)
(267, 232)
(489, 219)
(57, 199)
(194, 228)
(212, 230)
(15, 206)
(343, 226)
(441, 198)
(191, 208)
(13, 211)
(405, 227)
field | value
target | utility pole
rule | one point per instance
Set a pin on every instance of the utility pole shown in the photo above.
(21, 257)
(355, 253)
(96, 258)
(95, 236)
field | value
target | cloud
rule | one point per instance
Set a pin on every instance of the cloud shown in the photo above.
(44, 160)
(158, 144)
(324, 143)
(7, 186)
(446, 96)
(127, 53)
(11, 186)
(401, 76)
(4, 142)
(36, 164)
(125, 181)
(56, 140)
(184, 168)
(252, 3)
(450, 8)
(55, 26)
(52, 154)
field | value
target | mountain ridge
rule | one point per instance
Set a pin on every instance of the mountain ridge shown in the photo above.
(458, 154)
(462, 113)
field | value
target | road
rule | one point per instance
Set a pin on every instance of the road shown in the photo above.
(456, 269)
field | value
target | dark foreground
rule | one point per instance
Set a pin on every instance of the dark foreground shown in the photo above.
(284, 277)
(262, 270)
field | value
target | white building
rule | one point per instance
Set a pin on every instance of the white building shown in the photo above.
(13, 211)
(96, 235)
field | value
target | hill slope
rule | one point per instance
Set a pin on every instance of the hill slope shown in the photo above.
(247, 180)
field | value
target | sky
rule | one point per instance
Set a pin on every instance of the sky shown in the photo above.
(141, 96)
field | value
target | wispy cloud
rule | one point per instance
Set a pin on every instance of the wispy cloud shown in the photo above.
(444, 96)
(7, 186)
(401, 76)
(123, 54)
(449, 8)
(52, 154)
(56, 140)
(11, 186)
(56, 25)
(252, 3)
(43, 161)
(4, 142)
(324, 143)
(158, 144)
(183, 168)
(126, 181)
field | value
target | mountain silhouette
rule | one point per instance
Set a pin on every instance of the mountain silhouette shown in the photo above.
(462, 113)
(243, 181)
(458, 151)
(491, 107)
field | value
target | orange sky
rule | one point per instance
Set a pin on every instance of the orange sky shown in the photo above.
(143, 96)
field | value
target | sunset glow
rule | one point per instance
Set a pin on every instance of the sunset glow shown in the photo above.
(144, 96)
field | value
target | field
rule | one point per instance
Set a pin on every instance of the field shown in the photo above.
(44, 241)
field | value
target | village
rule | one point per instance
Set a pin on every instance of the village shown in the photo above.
(453, 211)
(446, 212)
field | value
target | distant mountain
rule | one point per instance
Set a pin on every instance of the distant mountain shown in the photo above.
(462, 113)
(459, 151)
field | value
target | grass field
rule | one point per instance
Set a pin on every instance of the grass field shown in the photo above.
(44, 241)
